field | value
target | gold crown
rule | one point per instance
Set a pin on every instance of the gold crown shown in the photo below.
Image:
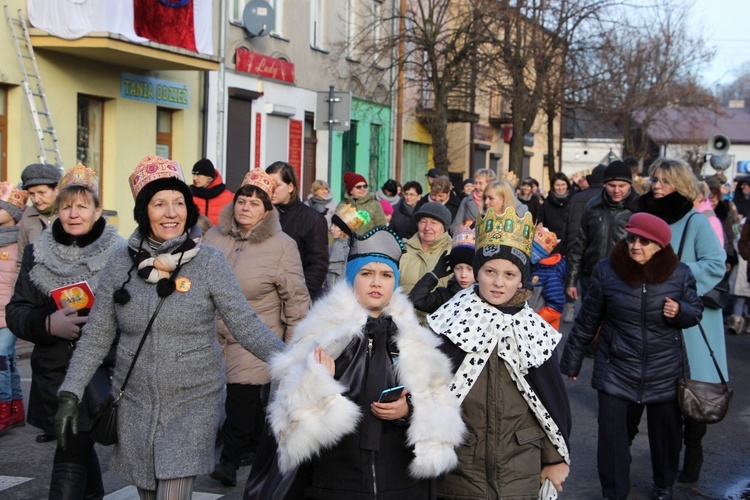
(260, 179)
(506, 230)
(353, 218)
(545, 238)
(10, 193)
(80, 175)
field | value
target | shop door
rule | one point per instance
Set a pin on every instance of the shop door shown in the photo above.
(239, 121)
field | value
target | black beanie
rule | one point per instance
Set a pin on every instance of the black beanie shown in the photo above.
(140, 212)
(204, 167)
(618, 170)
(512, 254)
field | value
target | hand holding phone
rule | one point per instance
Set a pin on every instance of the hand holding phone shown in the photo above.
(391, 395)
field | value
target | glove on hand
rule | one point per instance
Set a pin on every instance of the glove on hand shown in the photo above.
(443, 266)
(66, 417)
(65, 323)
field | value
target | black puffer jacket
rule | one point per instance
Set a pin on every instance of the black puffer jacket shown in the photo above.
(602, 225)
(640, 353)
(576, 206)
(553, 214)
(402, 220)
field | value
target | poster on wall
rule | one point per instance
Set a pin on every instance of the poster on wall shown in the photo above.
(295, 146)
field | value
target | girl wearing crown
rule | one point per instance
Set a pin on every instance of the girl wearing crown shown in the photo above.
(335, 439)
(506, 375)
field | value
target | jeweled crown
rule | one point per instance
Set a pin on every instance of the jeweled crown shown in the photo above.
(80, 175)
(507, 230)
(10, 193)
(349, 219)
(260, 179)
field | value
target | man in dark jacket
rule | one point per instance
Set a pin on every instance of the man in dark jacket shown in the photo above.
(602, 225)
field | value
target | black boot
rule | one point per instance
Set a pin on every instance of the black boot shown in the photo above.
(68, 481)
(226, 472)
(94, 485)
(661, 493)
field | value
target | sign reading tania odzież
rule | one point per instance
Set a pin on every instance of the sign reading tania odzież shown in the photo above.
(163, 92)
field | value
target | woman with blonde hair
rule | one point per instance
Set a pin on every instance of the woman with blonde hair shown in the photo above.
(468, 210)
(499, 195)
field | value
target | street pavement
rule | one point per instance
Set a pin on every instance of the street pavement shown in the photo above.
(25, 466)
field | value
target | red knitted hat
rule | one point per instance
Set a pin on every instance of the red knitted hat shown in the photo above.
(351, 179)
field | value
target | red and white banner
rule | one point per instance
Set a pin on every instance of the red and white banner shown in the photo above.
(180, 23)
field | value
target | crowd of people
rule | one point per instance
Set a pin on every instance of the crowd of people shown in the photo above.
(400, 343)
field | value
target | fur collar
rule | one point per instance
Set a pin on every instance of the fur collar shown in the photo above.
(669, 208)
(308, 413)
(83, 240)
(655, 271)
(266, 228)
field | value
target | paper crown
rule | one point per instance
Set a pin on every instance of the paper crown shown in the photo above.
(9, 193)
(379, 242)
(259, 178)
(349, 219)
(80, 175)
(152, 168)
(506, 230)
(464, 236)
(544, 242)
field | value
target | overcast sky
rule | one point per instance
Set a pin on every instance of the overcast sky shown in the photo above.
(725, 25)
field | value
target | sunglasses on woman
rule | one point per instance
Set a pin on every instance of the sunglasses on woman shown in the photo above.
(632, 238)
(360, 186)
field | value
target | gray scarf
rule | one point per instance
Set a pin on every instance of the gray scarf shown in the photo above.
(8, 235)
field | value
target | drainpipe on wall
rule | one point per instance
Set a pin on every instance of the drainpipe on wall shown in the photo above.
(204, 116)
(221, 105)
(399, 107)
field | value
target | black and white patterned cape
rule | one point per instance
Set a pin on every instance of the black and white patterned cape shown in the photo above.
(523, 341)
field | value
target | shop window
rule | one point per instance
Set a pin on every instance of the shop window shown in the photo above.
(90, 125)
(164, 132)
(4, 132)
(375, 154)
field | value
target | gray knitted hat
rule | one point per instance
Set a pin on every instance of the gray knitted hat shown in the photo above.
(40, 173)
(434, 210)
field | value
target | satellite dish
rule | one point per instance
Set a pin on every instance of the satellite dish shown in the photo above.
(258, 18)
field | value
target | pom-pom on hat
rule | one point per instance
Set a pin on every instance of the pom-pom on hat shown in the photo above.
(40, 173)
(349, 219)
(381, 244)
(80, 175)
(463, 247)
(12, 199)
(259, 178)
(618, 170)
(650, 227)
(205, 167)
(351, 179)
(544, 242)
(152, 168)
(434, 210)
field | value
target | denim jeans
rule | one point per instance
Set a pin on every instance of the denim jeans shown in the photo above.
(10, 380)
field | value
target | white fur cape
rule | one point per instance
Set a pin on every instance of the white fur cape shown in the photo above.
(308, 412)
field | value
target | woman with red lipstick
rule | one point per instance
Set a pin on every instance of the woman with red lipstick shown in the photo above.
(74, 249)
(506, 375)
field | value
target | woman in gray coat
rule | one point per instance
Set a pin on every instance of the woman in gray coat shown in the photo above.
(169, 412)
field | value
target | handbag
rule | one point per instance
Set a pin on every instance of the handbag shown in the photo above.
(104, 418)
(704, 402)
(716, 298)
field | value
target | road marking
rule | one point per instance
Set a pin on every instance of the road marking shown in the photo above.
(131, 493)
(11, 481)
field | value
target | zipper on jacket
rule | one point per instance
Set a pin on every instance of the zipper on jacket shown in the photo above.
(374, 477)
(644, 336)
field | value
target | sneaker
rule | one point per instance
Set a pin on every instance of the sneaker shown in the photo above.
(736, 324)
(226, 473)
(568, 312)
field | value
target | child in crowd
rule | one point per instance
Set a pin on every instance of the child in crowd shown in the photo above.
(425, 296)
(507, 377)
(547, 277)
(331, 429)
(12, 204)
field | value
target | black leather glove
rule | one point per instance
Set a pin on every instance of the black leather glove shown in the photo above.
(66, 417)
(66, 323)
(443, 266)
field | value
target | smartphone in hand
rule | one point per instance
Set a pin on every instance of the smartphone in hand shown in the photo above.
(391, 395)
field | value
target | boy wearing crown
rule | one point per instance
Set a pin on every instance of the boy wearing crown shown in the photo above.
(333, 434)
(506, 375)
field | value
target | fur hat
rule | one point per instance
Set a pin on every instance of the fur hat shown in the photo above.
(618, 170)
(259, 178)
(463, 247)
(12, 199)
(80, 175)
(40, 173)
(381, 244)
(434, 210)
(351, 179)
(650, 227)
(204, 167)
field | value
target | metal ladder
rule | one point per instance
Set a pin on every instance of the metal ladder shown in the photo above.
(41, 115)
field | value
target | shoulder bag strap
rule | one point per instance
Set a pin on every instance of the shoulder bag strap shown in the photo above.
(716, 363)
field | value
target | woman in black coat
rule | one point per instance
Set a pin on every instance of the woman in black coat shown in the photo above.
(639, 300)
(554, 211)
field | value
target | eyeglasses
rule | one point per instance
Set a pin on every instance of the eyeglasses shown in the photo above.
(632, 238)
(661, 180)
(360, 186)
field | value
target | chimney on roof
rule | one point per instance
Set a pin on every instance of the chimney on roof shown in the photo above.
(737, 103)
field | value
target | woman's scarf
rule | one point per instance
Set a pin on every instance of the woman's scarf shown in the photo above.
(669, 208)
(8, 235)
(151, 268)
(522, 340)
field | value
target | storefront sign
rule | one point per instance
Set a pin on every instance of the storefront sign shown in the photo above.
(483, 132)
(257, 140)
(295, 146)
(260, 65)
(162, 92)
